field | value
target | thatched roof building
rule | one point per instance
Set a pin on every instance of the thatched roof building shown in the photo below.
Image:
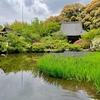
(5, 30)
(73, 30)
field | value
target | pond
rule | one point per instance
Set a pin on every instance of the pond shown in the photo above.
(20, 79)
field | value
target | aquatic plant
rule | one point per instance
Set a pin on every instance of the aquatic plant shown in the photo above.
(75, 65)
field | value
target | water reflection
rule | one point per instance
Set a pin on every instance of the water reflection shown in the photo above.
(20, 75)
(17, 62)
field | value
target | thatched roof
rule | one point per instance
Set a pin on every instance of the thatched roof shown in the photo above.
(72, 28)
(5, 29)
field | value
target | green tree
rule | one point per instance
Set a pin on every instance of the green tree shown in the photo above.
(18, 26)
(16, 43)
(38, 27)
(52, 27)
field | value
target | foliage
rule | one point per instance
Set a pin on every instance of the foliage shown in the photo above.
(38, 27)
(95, 45)
(16, 44)
(3, 47)
(57, 44)
(17, 26)
(76, 66)
(59, 36)
(75, 47)
(83, 43)
(38, 47)
(55, 36)
(91, 34)
(46, 39)
(3, 44)
(31, 37)
(91, 15)
(2, 38)
(52, 27)
(72, 11)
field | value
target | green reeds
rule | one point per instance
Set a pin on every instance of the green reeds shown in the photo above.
(73, 66)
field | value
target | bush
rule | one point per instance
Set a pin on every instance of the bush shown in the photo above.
(52, 27)
(57, 44)
(59, 36)
(75, 47)
(31, 37)
(91, 34)
(16, 44)
(83, 43)
(95, 45)
(11, 49)
(38, 47)
(46, 39)
(3, 47)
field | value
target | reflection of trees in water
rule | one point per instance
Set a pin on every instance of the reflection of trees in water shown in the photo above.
(18, 62)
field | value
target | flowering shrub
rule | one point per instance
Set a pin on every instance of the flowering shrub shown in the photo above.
(95, 45)
(83, 43)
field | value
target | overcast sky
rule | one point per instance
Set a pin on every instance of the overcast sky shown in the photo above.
(12, 9)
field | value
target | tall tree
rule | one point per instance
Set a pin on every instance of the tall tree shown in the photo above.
(38, 27)
(91, 15)
(73, 11)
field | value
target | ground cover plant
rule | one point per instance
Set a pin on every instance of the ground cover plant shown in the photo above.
(73, 65)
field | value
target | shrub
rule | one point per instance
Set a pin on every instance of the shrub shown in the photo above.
(38, 47)
(57, 44)
(95, 45)
(3, 47)
(59, 36)
(75, 47)
(31, 37)
(91, 34)
(46, 39)
(16, 44)
(52, 27)
(83, 43)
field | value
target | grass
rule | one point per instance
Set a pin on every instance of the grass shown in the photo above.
(76, 66)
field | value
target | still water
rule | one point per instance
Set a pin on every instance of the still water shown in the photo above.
(20, 79)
